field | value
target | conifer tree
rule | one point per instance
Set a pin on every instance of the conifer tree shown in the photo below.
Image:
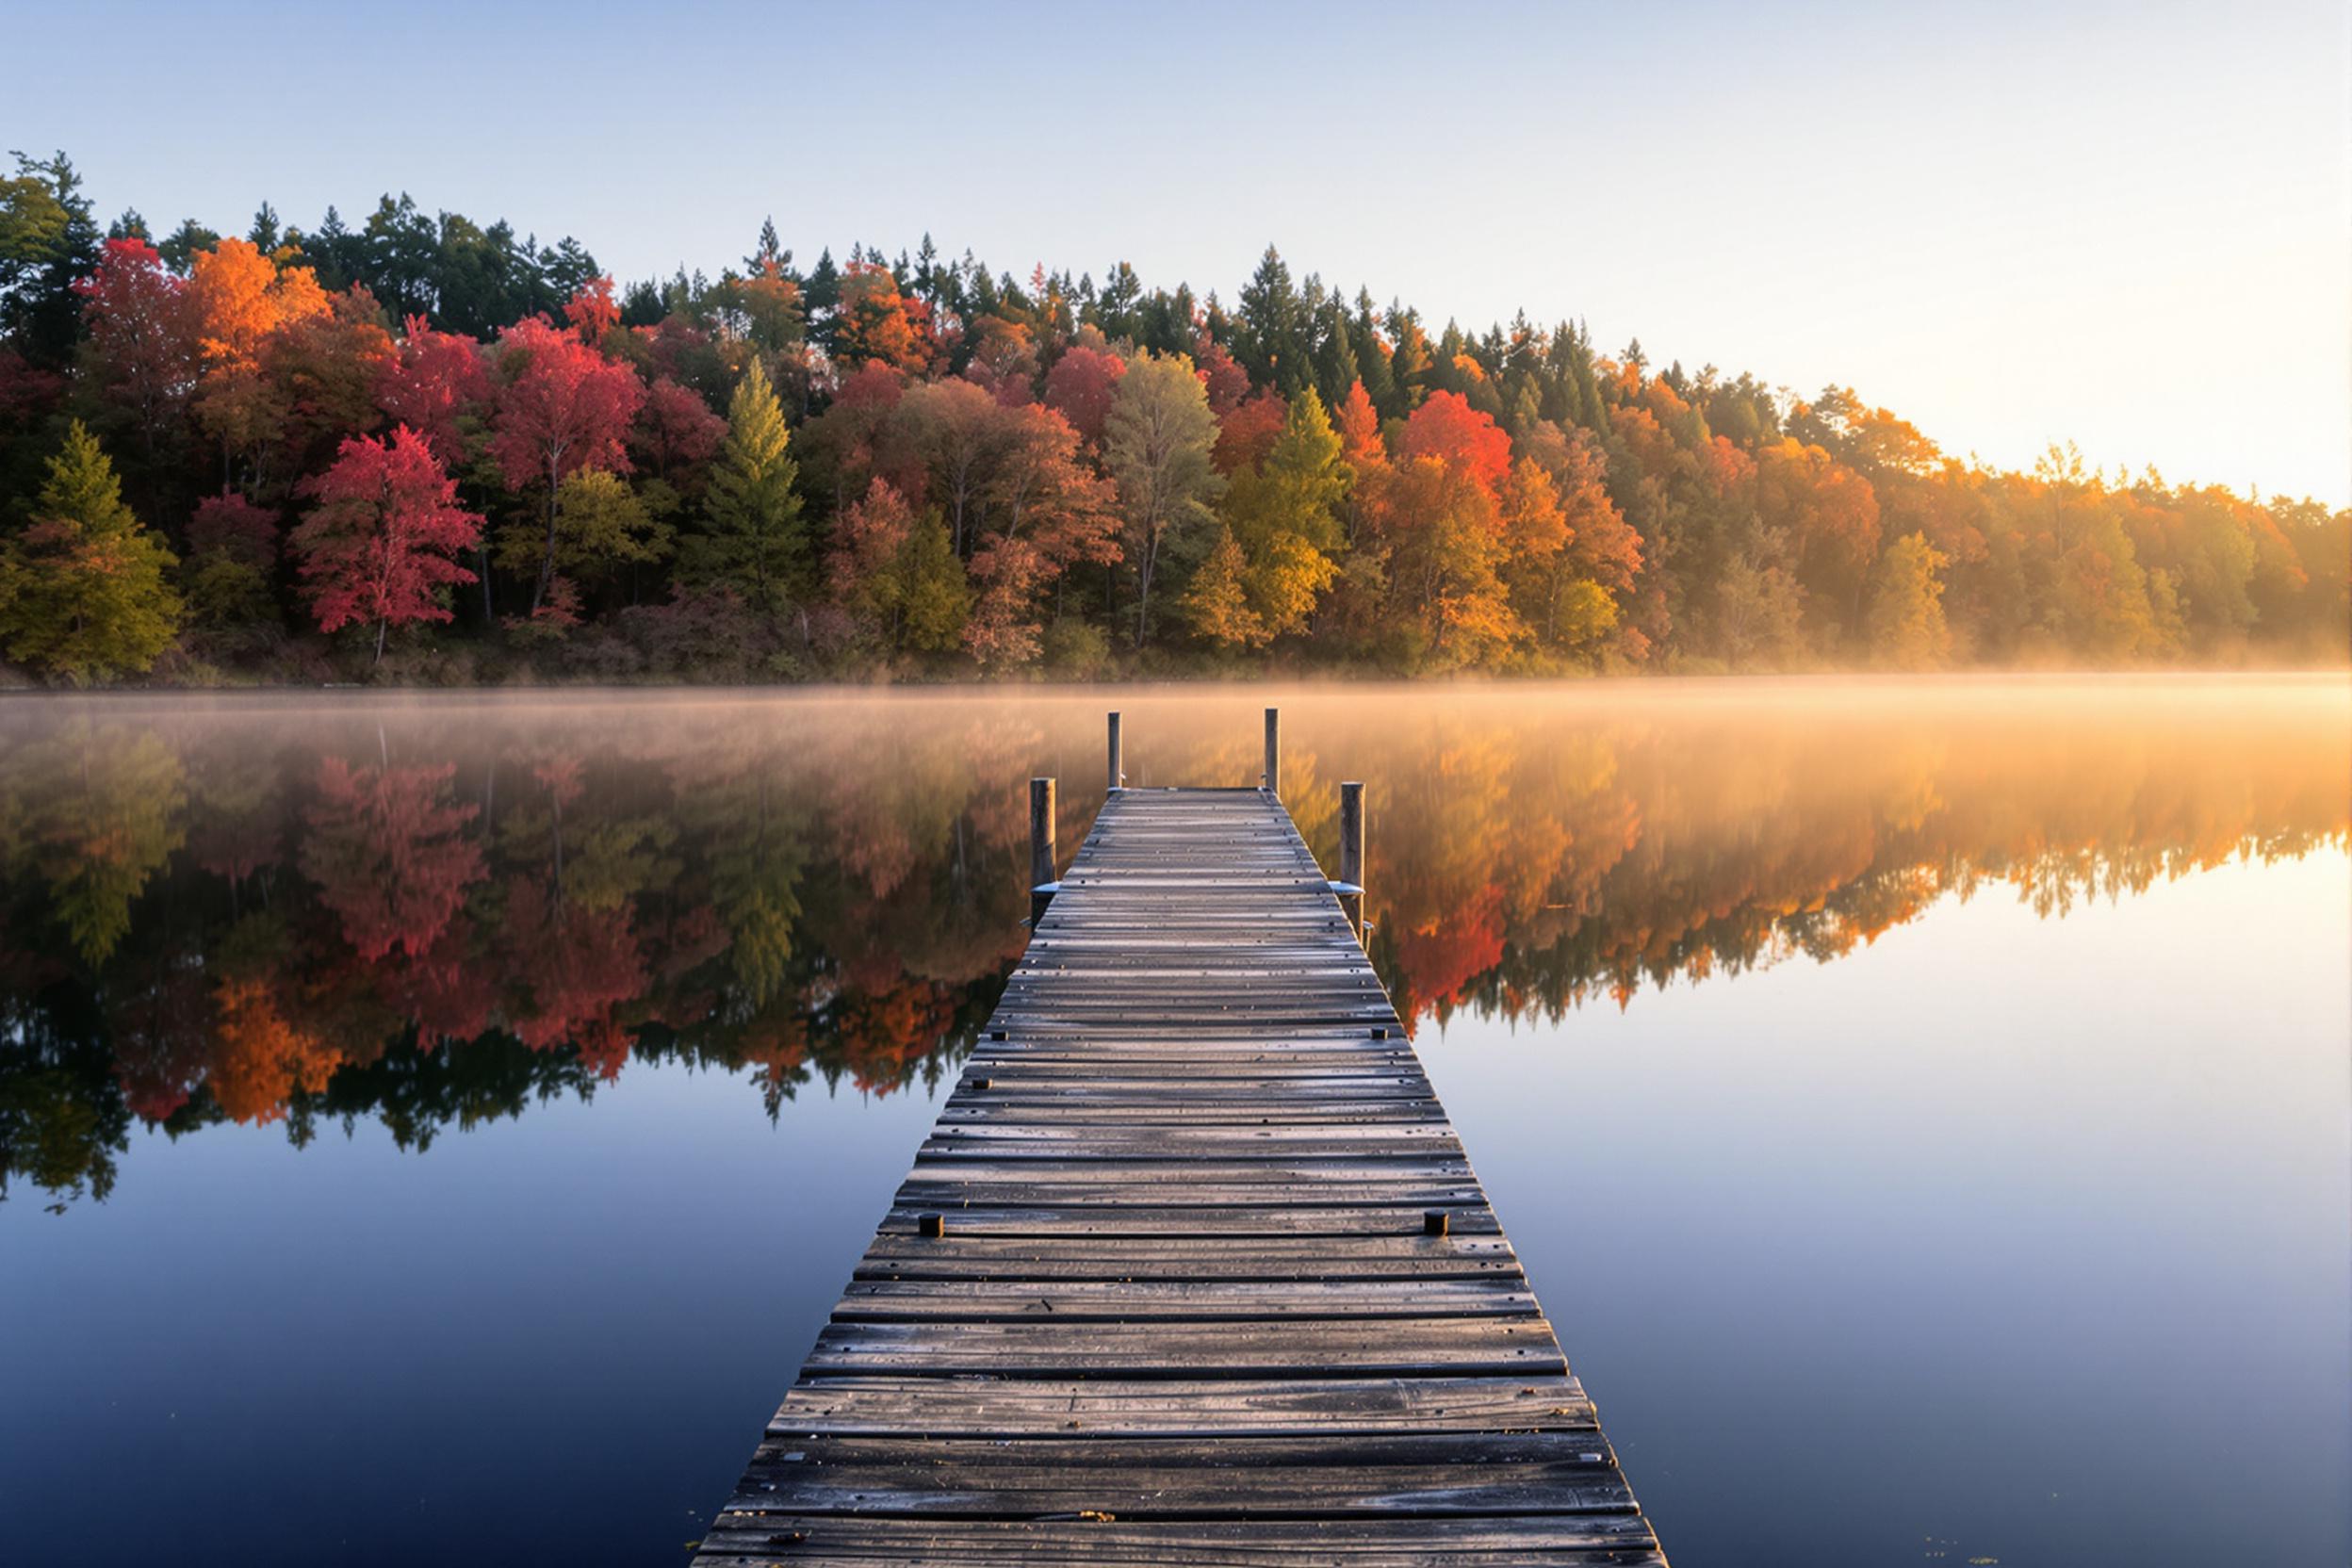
(1337, 369)
(85, 591)
(1271, 342)
(756, 542)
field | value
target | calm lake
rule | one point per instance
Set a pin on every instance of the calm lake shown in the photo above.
(434, 1129)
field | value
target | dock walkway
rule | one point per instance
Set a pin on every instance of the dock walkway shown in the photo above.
(1189, 1302)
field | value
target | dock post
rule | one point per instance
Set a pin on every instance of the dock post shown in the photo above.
(1042, 885)
(1119, 770)
(1350, 887)
(1272, 780)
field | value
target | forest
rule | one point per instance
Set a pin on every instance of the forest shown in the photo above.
(422, 451)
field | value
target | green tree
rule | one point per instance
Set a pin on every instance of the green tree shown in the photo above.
(85, 590)
(48, 242)
(756, 542)
(1271, 336)
(935, 599)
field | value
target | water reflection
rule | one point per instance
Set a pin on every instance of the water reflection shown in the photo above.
(435, 914)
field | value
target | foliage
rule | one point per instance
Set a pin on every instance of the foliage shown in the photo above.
(85, 589)
(1906, 625)
(921, 463)
(378, 548)
(756, 542)
(1156, 442)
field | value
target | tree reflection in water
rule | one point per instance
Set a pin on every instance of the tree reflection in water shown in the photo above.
(432, 914)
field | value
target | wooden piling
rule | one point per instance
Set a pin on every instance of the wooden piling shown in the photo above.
(1272, 779)
(1350, 890)
(1119, 769)
(1042, 857)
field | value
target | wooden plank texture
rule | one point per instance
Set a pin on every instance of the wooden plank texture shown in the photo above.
(1187, 1307)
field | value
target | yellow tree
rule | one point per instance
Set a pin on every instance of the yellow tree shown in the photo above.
(1215, 604)
(1905, 622)
(1282, 514)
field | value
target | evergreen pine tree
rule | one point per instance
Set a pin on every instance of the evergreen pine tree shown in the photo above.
(84, 588)
(823, 296)
(756, 542)
(1270, 333)
(1336, 369)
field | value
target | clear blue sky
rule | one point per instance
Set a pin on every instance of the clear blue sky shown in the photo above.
(2126, 225)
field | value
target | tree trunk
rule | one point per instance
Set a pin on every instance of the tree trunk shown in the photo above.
(1143, 587)
(547, 562)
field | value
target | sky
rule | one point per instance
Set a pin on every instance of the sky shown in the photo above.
(2129, 226)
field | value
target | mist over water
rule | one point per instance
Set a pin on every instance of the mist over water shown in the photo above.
(435, 1125)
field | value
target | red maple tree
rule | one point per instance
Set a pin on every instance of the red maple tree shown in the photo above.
(378, 547)
(433, 380)
(563, 407)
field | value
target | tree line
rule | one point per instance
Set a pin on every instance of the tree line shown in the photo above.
(425, 449)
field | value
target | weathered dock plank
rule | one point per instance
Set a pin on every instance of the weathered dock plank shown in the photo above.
(1191, 1303)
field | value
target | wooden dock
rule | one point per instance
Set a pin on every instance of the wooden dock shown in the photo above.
(1191, 1271)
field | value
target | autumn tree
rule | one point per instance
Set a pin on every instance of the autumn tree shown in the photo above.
(755, 541)
(562, 407)
(379, 548)
(592, 311)
(1572, 600)
(1284, 516)
(434, 383)
(1156, 443)
(1830, 516)
(85, 589)
(1248, 431)
(1446, 533)
(873, 321)
(894, 567)
(676, 431)
(1535, 535)
(764, 309)
(323, 369)
(1043, 512)
(1215, 603)
(1080, 386)
(601, 526)
(1467, 442)
(231, 558)
(1905, 624)
(943, 435)
(239, 298)
(1443, 523)
(141, 354)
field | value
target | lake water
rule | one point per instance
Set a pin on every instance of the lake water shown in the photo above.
(434, 1129)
